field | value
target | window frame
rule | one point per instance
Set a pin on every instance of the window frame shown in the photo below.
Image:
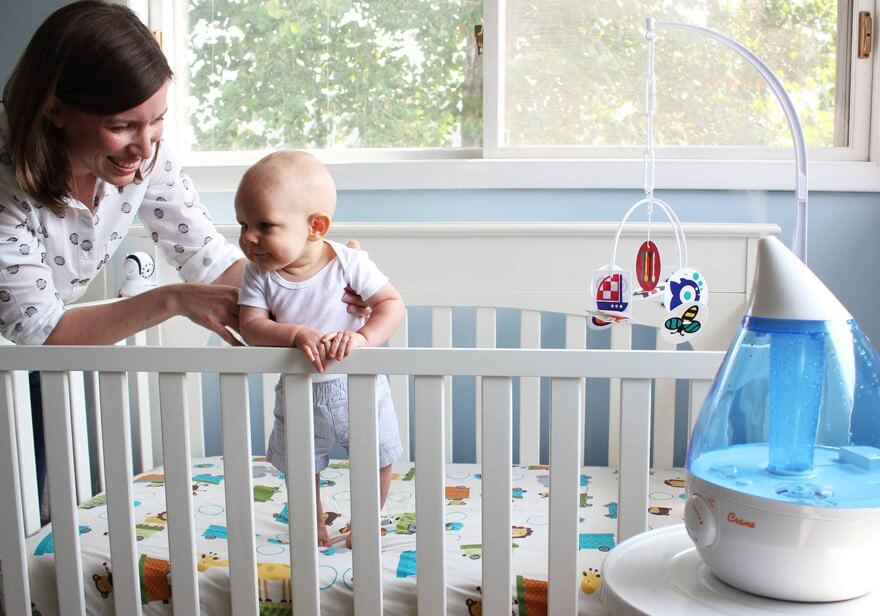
(855, 168)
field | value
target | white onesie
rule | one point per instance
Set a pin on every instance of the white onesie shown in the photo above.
(317, 303)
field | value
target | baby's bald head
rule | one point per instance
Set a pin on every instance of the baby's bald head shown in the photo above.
(300, 179)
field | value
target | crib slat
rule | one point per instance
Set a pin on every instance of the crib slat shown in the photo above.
(24, 434)
(621, 338)
(142, 433)
(96, 430)
(194, 404)
(576, 338)
(575, 332)
(299, 431)
(155, 416)
(178, 491)
(139, 385)
(664, 414)
(364, 446)
(153, 337)
(268, 382)
(80, 432)
(399, 384)
(144, 396)
(497, 489)
(120, 512)
(16, 591)
(239, 484)
(529, 393)
(699, 390)
(485, 338)
(139, 394)
(566, 410)
(59, 464)
(664, 423)
(430, 539)
(441, 336)
(635, 442)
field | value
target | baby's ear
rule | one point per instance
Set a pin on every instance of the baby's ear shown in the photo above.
(319, 225)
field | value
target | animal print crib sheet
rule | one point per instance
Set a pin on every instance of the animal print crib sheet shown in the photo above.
(529, 537)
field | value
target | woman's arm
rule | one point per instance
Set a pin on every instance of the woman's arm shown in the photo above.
(212, 306)
(181, 225)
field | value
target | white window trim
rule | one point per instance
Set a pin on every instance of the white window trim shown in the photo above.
(855, 168)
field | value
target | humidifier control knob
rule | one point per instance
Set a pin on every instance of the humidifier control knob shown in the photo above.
(699, 521)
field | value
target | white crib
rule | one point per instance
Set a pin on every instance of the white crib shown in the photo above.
(147, 408)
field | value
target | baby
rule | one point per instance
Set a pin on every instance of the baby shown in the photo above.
(291, 296)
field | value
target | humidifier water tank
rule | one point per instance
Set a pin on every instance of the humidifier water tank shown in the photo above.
(784, 461)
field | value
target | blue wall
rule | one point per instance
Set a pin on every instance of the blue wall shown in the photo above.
(19, 21)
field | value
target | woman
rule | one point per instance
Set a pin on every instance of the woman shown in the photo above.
(80, 155)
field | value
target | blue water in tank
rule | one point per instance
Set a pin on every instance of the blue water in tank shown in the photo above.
(794, 415)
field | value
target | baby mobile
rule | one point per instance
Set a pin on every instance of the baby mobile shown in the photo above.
(684, 293)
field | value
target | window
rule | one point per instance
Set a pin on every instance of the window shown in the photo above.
(332, 75)
(582, 65)
(378, 86)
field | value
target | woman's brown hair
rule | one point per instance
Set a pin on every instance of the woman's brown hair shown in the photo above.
(94, 56)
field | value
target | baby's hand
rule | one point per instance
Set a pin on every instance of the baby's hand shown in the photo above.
(339, 344)
(310, 342)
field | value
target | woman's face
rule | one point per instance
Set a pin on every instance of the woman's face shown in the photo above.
(112, 147)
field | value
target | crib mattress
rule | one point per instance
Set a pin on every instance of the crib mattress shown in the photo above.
(530, 535)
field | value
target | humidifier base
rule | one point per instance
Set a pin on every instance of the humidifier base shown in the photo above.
(660, 572)
(783, 550)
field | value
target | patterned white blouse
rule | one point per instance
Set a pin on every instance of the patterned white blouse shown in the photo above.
(47, 261)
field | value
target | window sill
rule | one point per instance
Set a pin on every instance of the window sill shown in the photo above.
(841, 176)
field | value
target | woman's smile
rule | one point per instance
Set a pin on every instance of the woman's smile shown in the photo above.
(127, 166)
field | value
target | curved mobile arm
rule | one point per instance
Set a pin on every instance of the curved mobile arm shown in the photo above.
(799, 242)
(673, 219)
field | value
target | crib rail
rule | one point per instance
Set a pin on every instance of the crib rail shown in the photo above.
(442, 333)
(530, 336)
(565, 368)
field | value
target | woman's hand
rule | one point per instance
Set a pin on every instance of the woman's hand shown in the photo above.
(309, 341)
(213, 306)
(356, 304)
(340, 344)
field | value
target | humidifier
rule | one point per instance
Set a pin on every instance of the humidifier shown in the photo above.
(783, 467)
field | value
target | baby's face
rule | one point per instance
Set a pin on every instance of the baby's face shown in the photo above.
(273, 230)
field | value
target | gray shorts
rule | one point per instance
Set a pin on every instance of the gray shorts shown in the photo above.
(330, 400)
